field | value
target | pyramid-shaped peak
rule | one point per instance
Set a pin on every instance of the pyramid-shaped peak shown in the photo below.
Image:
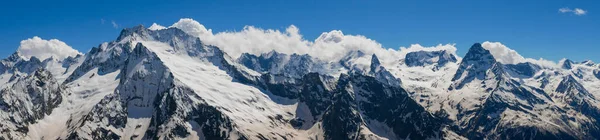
(477, 45)
(478, 53)
(375, 61)
(567, 64)
(375, 64)
(475, 66)
(477, 48)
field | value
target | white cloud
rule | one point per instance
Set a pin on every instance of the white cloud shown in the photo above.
(194, 28)
(564, 10)
(543, 62)
(114, 24)
(576, 11)
(329, 46)
(43, 49)
(102, 21)
(502, 53)
(334, 36)
(156, 27)
(506, 55)
(256, 41)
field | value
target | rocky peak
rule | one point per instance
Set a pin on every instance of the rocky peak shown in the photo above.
(473, 66)
(479, 54)
(139, 29)
(15, 57)
(570, 85)
(567, 64)
(375, 64)
(381, 74)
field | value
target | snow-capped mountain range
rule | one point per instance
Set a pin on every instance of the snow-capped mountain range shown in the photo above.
(183, 82)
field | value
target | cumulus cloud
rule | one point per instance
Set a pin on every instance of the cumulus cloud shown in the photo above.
(329, 46)
(43, 49)
(334, 36)
(256, 41)
(576, 11)
(502, 53)
(335, 44)
(543, 62)
(156, 27)
(505, 55)
(193, 27)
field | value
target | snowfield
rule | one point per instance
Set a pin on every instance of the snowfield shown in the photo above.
(183, 82)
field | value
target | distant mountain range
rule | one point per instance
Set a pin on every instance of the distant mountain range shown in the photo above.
(163, 83)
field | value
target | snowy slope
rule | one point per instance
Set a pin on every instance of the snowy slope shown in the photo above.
(164, 83)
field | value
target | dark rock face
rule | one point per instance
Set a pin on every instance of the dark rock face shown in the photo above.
(597, 73)
(422, 58)
(28, 100)
(393, 106)
(343, 108)
(382, 74)
(522, 69)
(315, 93)
(215, 124)
(342, 120)
(286, 88)
(568, 64)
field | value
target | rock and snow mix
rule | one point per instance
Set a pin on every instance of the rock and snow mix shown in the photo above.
(184, 82)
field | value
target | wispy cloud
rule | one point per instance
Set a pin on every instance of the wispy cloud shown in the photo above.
(114, 24)
(576, 11)
(102, 20)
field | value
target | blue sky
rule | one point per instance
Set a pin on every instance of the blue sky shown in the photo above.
(533, 28)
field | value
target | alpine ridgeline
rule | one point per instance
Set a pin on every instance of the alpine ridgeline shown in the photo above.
(166, 84)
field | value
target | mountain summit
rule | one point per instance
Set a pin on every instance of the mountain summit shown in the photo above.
(163, 83)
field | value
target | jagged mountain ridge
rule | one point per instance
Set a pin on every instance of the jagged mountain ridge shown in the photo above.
(167, 84)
